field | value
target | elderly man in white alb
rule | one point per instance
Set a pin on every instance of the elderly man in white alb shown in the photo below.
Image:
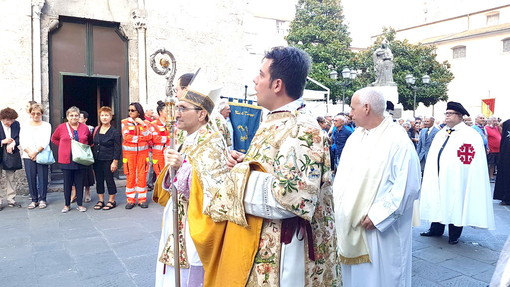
(377, 181)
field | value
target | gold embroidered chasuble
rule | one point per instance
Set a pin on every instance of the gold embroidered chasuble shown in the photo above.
(207, 154)
(208, 157)
(291, 147)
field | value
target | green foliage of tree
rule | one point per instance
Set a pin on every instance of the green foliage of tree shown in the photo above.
(414, 59)
(318, 29)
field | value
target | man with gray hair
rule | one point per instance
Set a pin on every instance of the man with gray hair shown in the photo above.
(339, 137)
(377, 181)
(479, 126)
(224, 110)
(427, 134)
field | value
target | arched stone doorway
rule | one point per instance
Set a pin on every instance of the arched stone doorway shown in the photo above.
(88, 68)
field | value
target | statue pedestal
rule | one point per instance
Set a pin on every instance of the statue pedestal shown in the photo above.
(390, 93)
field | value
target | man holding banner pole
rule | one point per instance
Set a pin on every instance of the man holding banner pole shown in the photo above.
(283, 182)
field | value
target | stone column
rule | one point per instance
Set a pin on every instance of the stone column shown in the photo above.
(37, 6)
(139, 22)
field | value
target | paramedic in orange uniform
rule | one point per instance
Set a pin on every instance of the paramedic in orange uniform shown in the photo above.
(160, 139)
(136, 134)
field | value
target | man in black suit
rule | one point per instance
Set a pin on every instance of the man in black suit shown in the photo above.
(427, 134)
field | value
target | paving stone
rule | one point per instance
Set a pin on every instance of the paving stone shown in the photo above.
(418, 281)
(17, 267)
(119, 248)
(50, 234)
(48, 262)
(147, 279)
(115, 280)
(19, 279)
(434, 255)
(140, 265)
(98, 265)
(124, 234)
(463, 281)
(14, 242)
(110, 222)
(478, 253)
(48, 246)
(467, 266)
(84, 232)
(485, 276)
(85, 246)
(136, 248)
(417, 245)
(429, 270)
(64, 277)
(21, 253)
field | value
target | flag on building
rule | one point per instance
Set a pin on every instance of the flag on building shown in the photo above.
(488, 107)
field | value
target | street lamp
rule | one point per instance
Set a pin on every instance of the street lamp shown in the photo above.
(348, 75)
(410, 80)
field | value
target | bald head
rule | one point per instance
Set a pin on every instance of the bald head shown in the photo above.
(373, 98)
(367, 108)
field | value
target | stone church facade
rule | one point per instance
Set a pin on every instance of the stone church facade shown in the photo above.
(97, 52)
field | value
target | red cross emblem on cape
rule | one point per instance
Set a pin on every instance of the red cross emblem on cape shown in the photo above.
(466, 153)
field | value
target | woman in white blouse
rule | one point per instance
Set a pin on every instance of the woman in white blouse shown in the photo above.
(34, 138)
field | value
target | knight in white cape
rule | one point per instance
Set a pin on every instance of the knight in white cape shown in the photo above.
(377, 181)
(456, 188)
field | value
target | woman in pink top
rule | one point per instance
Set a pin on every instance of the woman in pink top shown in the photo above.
(493, 131)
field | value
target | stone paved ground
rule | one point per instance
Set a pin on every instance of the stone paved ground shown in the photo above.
(44, 247)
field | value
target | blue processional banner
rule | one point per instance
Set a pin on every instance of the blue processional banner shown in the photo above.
(245, 118)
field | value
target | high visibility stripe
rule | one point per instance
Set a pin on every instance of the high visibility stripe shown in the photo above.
(130, 192)
(158, 147)
(141, 189)
(135, 148)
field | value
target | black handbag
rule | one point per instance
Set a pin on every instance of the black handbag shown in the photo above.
(11, 161)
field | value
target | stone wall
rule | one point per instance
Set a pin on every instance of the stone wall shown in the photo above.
(16, 54)
(214, 37)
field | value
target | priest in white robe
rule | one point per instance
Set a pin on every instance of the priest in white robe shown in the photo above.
(456, 188)
(377, 181)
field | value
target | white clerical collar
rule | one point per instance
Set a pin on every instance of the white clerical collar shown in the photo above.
(369, 131)
(290, 107)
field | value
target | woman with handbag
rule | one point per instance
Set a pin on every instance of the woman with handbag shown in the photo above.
(10, 158)
(35, 144)
(73, 171)
(107, 153)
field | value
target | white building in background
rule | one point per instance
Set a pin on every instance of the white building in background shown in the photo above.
(477, 45)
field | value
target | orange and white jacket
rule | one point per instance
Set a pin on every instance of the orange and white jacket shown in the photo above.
(160, 136)
(136, 137)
